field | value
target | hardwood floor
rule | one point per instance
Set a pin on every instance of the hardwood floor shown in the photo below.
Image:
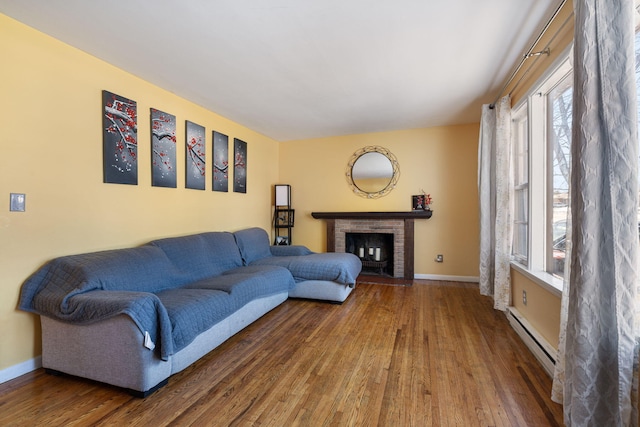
(430, 354)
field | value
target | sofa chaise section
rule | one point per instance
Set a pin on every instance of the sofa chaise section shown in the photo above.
(322, 276)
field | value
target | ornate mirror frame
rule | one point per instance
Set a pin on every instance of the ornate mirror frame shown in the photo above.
(392, 180)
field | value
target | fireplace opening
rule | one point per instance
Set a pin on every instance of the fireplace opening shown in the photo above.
(375, 250)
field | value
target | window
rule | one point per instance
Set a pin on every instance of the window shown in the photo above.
(541, 135)
(520, 132)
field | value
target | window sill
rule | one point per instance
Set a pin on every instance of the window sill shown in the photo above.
(547, 281)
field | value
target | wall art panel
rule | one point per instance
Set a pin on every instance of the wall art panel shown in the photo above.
(220, 161)
(163, 149)
(195, 156)
(239, 166)
(119, 139)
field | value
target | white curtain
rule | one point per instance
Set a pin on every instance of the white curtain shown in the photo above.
(495, 188)
(598, 345)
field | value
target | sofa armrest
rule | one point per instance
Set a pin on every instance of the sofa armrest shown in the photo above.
(110, 351)
(284, 250)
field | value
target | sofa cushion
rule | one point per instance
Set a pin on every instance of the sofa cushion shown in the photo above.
(247, 283)
(337, 267)
(253, 244)
(293, 250)
(198, 306)
(193, 311)
(201, 255)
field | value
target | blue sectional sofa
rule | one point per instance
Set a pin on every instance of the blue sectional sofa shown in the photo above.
(133, 317)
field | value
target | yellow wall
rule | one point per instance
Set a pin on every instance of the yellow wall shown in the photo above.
(442, 161)
(51, 149)
(542, 309)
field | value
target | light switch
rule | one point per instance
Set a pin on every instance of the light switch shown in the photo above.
(17, 202)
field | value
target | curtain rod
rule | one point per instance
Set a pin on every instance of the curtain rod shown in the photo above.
(529, 53)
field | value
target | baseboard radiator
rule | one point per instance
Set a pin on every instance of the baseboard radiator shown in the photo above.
(541, 349)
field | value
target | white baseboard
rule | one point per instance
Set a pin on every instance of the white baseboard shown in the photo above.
(541, 349)
(20, 369)
(447, 278)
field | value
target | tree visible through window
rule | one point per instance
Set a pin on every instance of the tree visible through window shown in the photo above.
(559, 111)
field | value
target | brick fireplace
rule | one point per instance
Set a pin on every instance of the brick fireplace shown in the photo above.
(400, 224)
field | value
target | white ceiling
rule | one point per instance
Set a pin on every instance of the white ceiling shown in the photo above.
(297, 69)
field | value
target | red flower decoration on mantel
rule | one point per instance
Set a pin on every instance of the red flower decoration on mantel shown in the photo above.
(427, 201)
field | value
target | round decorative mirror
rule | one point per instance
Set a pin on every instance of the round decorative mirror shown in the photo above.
(372, 172)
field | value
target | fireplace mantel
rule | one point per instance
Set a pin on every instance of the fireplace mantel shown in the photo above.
(406, 224)
(372, 215)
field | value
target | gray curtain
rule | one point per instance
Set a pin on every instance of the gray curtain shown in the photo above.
(599, 348)
(495, 185)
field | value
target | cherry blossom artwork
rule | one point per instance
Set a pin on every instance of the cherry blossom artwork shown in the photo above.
(220, 161)
(239, 166)
(120, 139)
(195, 156)
(163, 149)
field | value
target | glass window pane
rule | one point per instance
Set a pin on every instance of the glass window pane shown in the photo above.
(521, 182)
(521, 164)
(559, 107)
(521, 226)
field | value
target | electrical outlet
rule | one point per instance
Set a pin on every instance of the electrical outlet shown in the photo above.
(439, 258)
(524, 297)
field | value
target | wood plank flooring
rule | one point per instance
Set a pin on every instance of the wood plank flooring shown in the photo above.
(430, 354)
